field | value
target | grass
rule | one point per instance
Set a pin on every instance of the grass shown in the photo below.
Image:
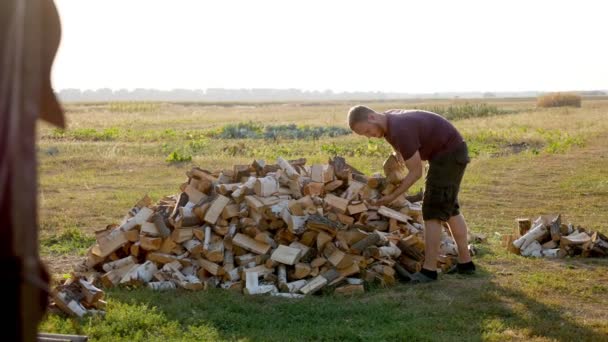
(525, 163)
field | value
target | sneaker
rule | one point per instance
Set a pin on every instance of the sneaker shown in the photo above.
(419, 278)
(466, 268)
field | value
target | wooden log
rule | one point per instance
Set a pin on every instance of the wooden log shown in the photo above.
(217, 206)
(142, 216)
(322, 173)
(210, 267)
(244, 189)
(149, 229)
(215, 252)
(109, 243)
(376, 181)
(411, 265)
(134, 249)
(339, 259)
(333, 185)
(260, 270)
(193, 246)
(194, 195)
(336, 202)
(354, 209)
(555, 228)
(551, 244)
(112, 278)
(394, 169)
(350, 270)
(266, 186)
(537, 233)
(167, 246)
(314, 285)
(120, 263)
(91, 293)
(390, 251)
(250, 244)
(322, 239)
(342, 171)
(353, 190)
(301, 270)
(289, 170)
(553, 253)
(532, 249)
(150, 243)
(313, 189)
(140, 274)
(67, 304)
(372, 239)
(345, 219)
(161, 285)
(390, 213)
(230, 211)
(182, 235)
(162, 258)
(575, 239)
(413, 247)
(286, 255)
(349, 290)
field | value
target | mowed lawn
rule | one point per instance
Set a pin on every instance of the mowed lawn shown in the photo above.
(526, 162)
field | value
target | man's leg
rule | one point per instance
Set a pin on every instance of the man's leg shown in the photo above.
(432, 235)
(458, 226)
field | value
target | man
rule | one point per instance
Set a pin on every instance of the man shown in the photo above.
(418, 136)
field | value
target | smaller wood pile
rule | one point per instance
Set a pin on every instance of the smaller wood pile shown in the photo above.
(78, 296)
(549, 237)
(286, 229)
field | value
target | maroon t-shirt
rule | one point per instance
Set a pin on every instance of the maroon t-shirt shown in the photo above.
(431, 134)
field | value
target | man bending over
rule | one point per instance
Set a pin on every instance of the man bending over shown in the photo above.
(418, 136)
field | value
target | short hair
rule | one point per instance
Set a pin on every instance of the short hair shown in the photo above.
(358, 114)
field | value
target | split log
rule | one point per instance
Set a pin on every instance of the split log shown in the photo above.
(354, 209)
(217, 206)
(313, 189)
(322, 173)
(161, 285)
(349, 290)
(286, 255)
(314, 285)
(301, 270)
(394, 170)
(140, 275)
(289, 170)
(340, 204)
(250, 244)
(390, 213)
(537, 233)
(333, 185)
(150, 243)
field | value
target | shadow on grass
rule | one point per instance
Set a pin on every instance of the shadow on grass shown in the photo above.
(454, 309)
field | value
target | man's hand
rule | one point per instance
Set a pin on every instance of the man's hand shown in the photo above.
(386, 200)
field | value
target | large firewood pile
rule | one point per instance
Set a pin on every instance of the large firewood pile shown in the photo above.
(286, 229)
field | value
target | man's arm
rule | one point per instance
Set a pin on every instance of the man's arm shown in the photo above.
(415, 169)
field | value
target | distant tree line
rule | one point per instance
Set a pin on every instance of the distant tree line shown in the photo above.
(267, 94)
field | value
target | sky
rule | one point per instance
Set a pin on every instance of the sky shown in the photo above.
(389, 46)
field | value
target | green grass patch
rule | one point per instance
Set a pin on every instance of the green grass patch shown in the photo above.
(69, 241)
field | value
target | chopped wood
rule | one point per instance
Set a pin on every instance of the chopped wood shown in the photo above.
(350, 289)
(286, 255)
(250, 244)
(217, 206)
(291, 227)
(340, 204)
(390, 213)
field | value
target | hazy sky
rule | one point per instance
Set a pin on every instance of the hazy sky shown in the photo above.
(405, 46)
